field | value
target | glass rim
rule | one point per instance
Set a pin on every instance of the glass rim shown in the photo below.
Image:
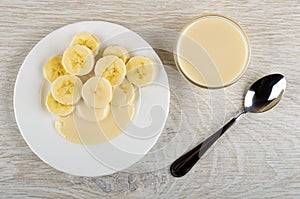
(242, 31)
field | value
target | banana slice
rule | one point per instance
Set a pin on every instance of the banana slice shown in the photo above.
(118, 51)
(57, 108)
(123, 94)
(78, 60)
(54, 68)
(66, 89)
(91, 114)
(87, 40)
(137, 61)
(97, 92)
(140, 71)
(112, 68)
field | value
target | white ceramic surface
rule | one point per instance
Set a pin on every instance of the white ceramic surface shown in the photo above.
(36, 124)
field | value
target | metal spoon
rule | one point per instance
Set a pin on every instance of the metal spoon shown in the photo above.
(263, 95)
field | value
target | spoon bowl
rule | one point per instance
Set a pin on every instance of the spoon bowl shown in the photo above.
(263, 95)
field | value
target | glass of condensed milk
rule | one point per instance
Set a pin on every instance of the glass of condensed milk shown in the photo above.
(212, 51)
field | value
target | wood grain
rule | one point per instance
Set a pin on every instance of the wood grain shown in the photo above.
(258, 158)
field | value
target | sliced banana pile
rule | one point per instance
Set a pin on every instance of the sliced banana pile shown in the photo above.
(92, 88)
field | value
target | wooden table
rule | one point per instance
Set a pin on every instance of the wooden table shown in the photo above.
(259, 157)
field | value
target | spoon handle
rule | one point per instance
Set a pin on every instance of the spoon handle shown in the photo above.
(183, 164)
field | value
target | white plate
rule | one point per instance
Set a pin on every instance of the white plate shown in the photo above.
(36, 124)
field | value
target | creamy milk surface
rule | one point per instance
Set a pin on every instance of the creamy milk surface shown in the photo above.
(80, 131)
(212, 51)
